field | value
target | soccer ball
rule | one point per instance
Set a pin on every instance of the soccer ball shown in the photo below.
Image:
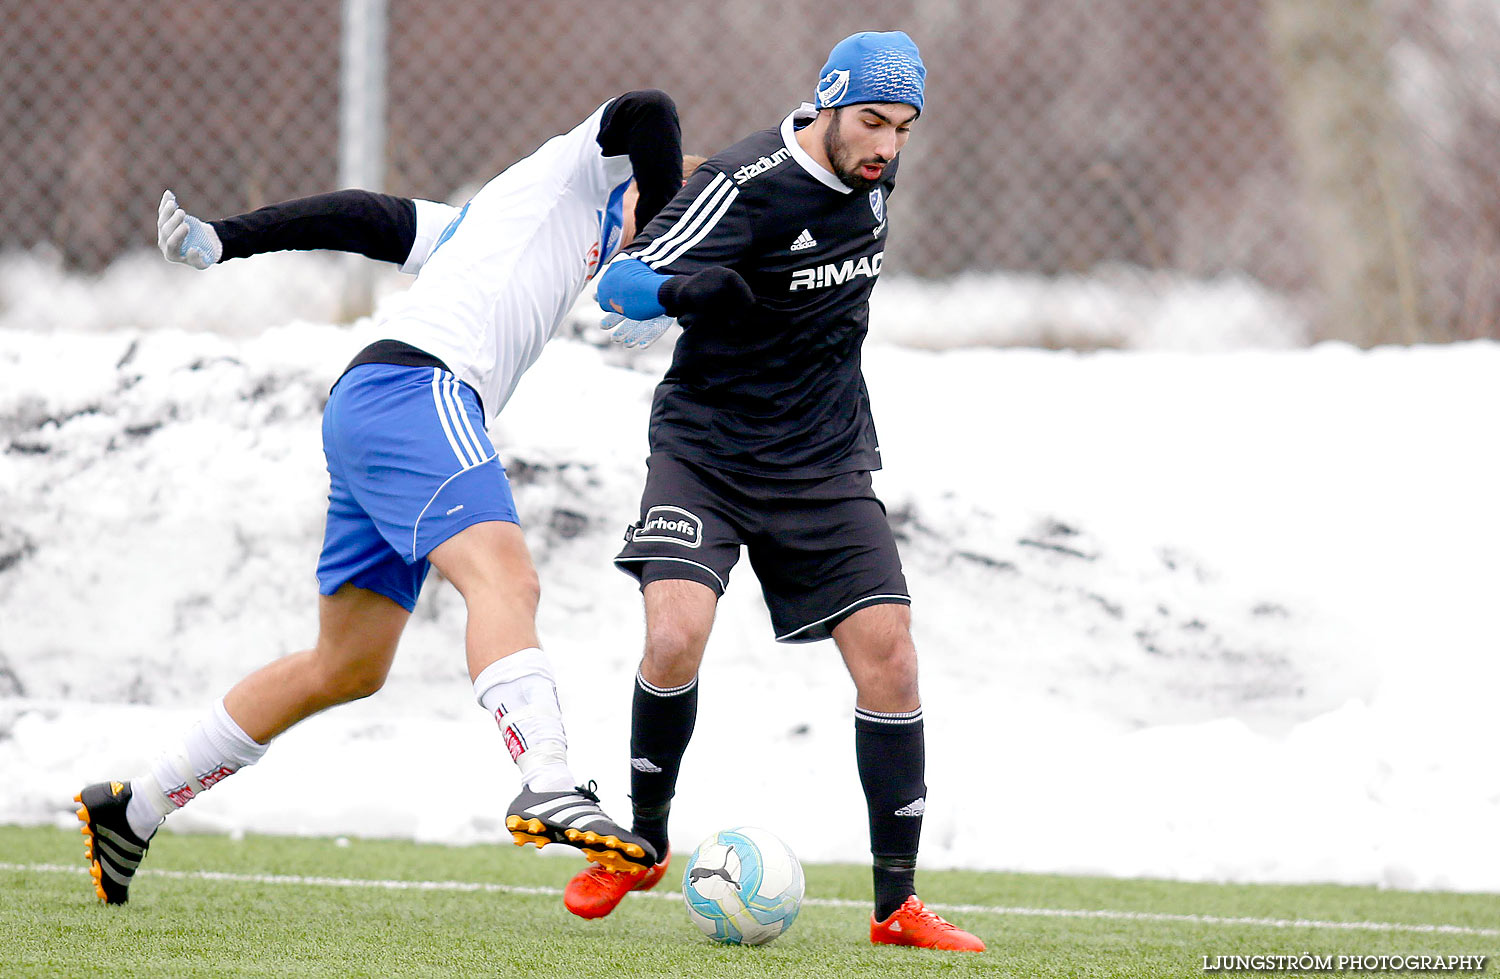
(743, 886)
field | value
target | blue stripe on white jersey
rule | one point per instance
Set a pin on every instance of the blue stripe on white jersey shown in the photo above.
(448, 231)
(612, 223)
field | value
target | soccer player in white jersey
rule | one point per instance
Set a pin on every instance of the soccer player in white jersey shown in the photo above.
(414, 479)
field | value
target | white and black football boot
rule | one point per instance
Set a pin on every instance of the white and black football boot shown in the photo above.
(575, 819)
(113, 850)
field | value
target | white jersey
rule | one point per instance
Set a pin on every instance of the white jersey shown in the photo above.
(496, 277)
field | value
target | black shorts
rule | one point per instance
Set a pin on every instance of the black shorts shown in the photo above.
(822, 548)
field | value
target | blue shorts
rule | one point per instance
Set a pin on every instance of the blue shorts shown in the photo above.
(409, 466)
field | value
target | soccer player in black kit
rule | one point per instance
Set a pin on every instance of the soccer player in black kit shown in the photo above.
(761, 435)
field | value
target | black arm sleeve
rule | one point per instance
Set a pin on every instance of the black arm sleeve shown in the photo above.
(379, 226)
(644, 126)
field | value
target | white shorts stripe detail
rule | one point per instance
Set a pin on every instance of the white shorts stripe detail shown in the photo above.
(463, 416)
(416, 527)
(457, 420)
(672, 245)
(442, 413)
(678, 250)
(680, 560)
(846, 609)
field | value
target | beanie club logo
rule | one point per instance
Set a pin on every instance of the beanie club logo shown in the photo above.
(831, 87)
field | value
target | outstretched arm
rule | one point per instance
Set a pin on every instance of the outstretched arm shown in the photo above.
(380, 226)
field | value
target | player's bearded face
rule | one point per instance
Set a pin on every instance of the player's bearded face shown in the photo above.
(858, 152)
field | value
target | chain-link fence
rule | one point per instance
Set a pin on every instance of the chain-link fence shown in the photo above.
(1338, 154)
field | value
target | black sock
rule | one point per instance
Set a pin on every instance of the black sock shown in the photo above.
(661, 724)
(892, 762)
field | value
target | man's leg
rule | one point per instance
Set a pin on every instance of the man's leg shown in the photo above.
(681, 551)
(679, 616)
(357, 635)
(876, 644)
(664, 707)
(490, 566)
(877, 648)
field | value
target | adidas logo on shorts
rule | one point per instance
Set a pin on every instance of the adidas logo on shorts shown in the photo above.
(804, 240)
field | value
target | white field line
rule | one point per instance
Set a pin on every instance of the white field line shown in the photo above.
(819, 902)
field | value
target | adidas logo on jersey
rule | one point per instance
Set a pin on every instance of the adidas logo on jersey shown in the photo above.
(804, 240)
(750, 170)
(832, 275)
(916, 808)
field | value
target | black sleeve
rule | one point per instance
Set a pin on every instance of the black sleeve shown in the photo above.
(721, 232)
(379, 226)
(644, 126)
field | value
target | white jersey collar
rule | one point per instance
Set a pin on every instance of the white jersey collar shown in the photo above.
(806, 113)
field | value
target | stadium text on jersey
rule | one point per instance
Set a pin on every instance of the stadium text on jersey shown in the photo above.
(744, 173)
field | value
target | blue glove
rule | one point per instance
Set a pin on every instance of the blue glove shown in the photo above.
(636, 333)
(183, 238)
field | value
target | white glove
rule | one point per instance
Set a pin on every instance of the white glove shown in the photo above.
(183, 238)
(636, 333)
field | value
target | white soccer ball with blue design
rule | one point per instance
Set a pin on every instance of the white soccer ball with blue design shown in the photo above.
(743, 886)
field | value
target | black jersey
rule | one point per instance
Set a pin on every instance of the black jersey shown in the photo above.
(782, 393)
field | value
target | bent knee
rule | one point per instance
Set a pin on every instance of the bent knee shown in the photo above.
(341, 684)
(519, 589)
(672, 655)
(526, 588)
(675, 640)
(885, 676)
(358, 686)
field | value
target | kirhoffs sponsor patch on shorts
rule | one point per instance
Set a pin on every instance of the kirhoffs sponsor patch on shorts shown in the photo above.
(669, 524)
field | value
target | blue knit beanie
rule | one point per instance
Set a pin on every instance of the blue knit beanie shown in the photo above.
(872, 66)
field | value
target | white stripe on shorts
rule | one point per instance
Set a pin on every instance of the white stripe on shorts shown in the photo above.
(868, 599)
(439, 402)
(460, 420)
(468, 426)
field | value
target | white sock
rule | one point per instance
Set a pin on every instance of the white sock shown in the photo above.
(521, 694)
(213, 750)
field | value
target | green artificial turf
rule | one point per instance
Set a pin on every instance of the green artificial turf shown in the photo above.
(314, 914)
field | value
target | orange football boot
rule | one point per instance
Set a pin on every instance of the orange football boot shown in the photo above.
(595, 892)
(913, 924)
